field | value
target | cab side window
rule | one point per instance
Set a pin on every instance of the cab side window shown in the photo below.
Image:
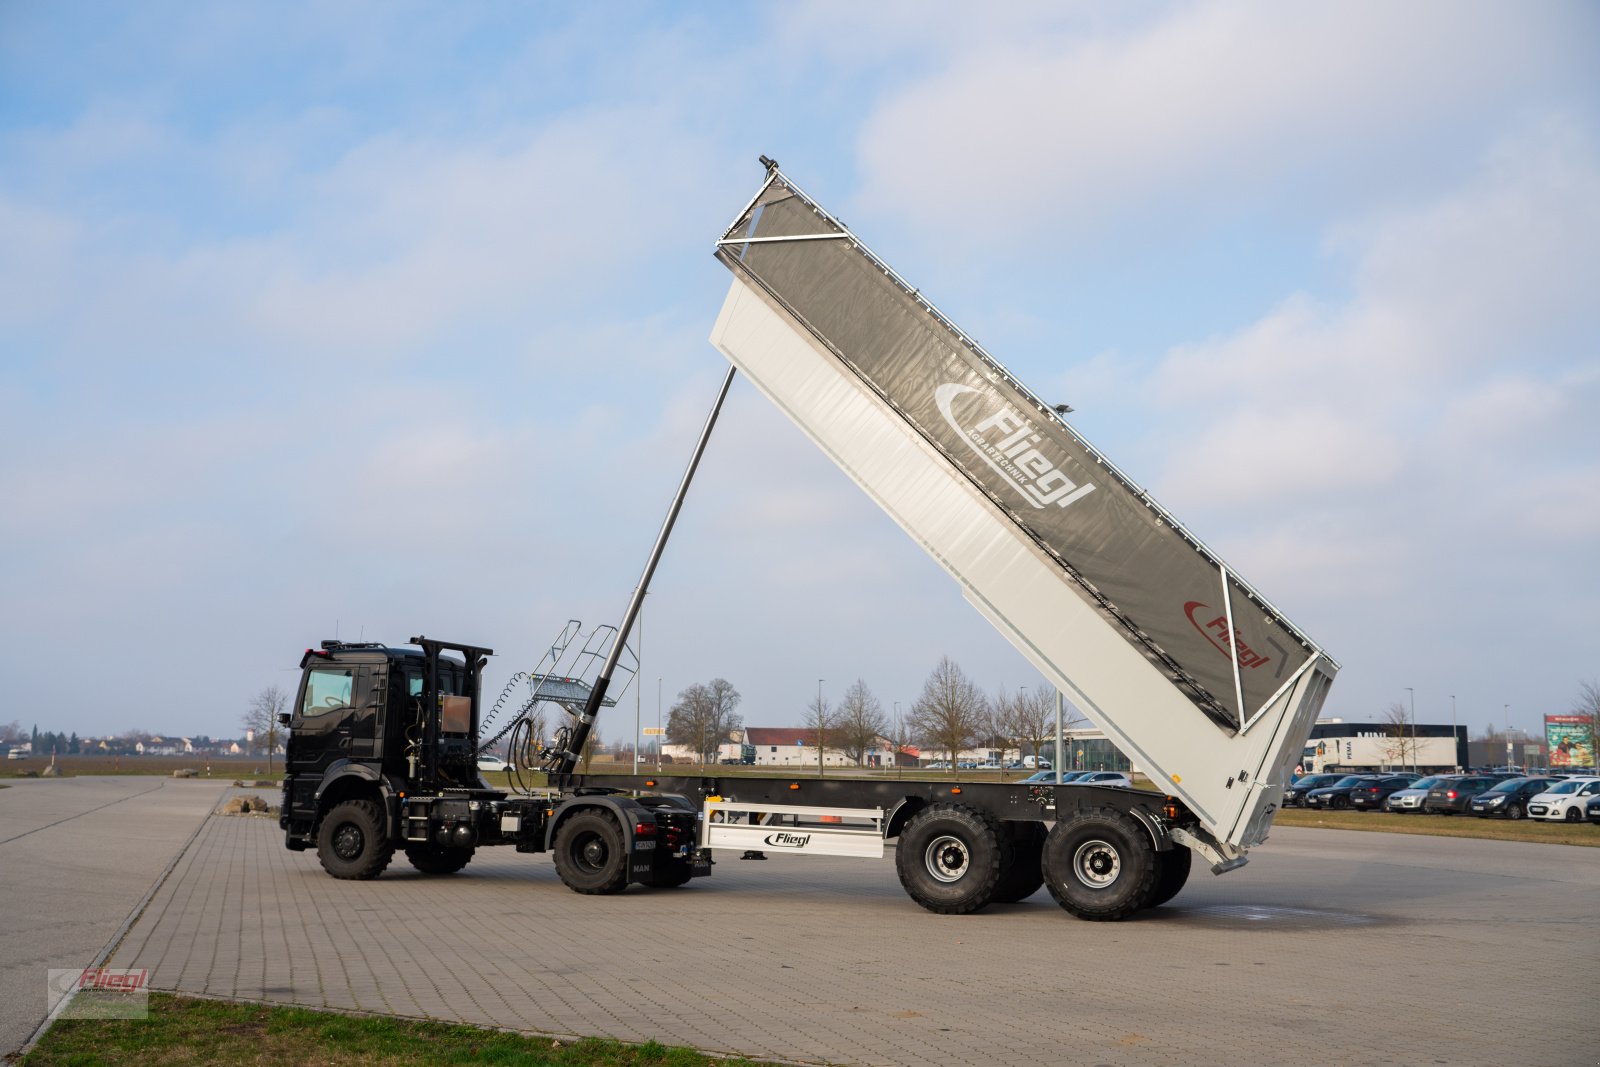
(327, 691)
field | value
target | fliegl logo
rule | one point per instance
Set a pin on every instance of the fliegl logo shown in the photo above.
(1216, 631)
(787, 840)
(1008, 443)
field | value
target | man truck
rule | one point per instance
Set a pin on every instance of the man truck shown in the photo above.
(1185, 666)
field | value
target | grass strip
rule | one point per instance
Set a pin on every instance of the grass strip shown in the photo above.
(1544, 833)
(187, 1030)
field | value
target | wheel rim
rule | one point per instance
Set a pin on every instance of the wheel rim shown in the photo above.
(947, 858)
(1097, 863)
(1514, 811)
(1572, 814)
(347, 841)
(592, 852)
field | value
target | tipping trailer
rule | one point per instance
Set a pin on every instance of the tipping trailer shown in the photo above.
(1184, 665)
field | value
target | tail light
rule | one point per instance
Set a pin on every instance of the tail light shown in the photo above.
(1451, 794)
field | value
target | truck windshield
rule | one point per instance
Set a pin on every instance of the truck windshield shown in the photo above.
(327, 690)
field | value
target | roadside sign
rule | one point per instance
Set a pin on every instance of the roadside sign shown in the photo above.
(653, 731)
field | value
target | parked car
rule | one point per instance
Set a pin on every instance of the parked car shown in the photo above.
(1049, 777)
(1565, 801)
(1455, 791)
(1113, 778)
(1509, 798)
(1336, 796)
(492, 763)
(1295, 794)
(1409, 800)
(1370, 795)
(1594, 810)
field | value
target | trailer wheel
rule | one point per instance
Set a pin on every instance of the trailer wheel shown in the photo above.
(1024, 873)
(351, 842)
(590, 857)
(438, 859)
(1100, 865)
(675, 873)
(1172, 871)
(949, 859)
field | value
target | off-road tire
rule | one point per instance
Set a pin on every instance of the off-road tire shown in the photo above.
(351, 842)
(439, 859)
(1100, 865)
(1172, 871)
(591, 855)
(950, 858)
(1023, 874)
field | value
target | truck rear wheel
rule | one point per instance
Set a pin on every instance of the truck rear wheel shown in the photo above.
(352, 843)
(949, 859)
(1172, 871)
(590, 855)
(1100, 865)
(438, 859)
(1023, 873)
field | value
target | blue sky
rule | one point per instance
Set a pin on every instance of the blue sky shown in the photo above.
(392, 318)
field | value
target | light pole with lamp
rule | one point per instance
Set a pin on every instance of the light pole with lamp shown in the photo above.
(1455, 744)
(658, 726)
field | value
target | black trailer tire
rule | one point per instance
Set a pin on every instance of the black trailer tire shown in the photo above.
(351, 842)
(439, 859)
(591, 857)
(950, 857)
(1100, 865)
(676, 872)
(1024, 870)
(1172, 871)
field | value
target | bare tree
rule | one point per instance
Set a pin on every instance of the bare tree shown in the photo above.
(861, 722)
(822, 721)
(1588, 706)
(1033, 721)
(1400, 744)
(948, 715)
(261, 719)
(704, 716)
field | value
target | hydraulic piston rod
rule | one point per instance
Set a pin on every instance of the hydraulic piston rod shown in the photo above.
(580, 734)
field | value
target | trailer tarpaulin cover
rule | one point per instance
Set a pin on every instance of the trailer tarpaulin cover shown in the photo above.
(1165, 593)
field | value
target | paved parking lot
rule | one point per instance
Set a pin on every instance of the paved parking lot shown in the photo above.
(1330, 947)
(77, 855)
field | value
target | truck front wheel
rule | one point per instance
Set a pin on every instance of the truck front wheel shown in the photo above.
(1100, 865)
(438, 859)
(590, 857)
(949, 859)
(351, 842)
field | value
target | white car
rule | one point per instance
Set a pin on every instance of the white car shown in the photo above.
(1112, 778)
(1564, 801)
(492, 763)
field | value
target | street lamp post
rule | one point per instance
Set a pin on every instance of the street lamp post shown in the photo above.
(1060, 755)
(658, 725)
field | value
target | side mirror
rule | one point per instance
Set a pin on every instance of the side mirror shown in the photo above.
(283, 718)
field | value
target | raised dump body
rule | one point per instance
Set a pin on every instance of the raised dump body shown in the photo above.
(1186, 667)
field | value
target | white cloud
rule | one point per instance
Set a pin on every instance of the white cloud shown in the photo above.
(1212, 106)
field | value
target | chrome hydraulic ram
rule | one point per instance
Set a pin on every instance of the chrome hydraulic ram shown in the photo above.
(567, 758)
